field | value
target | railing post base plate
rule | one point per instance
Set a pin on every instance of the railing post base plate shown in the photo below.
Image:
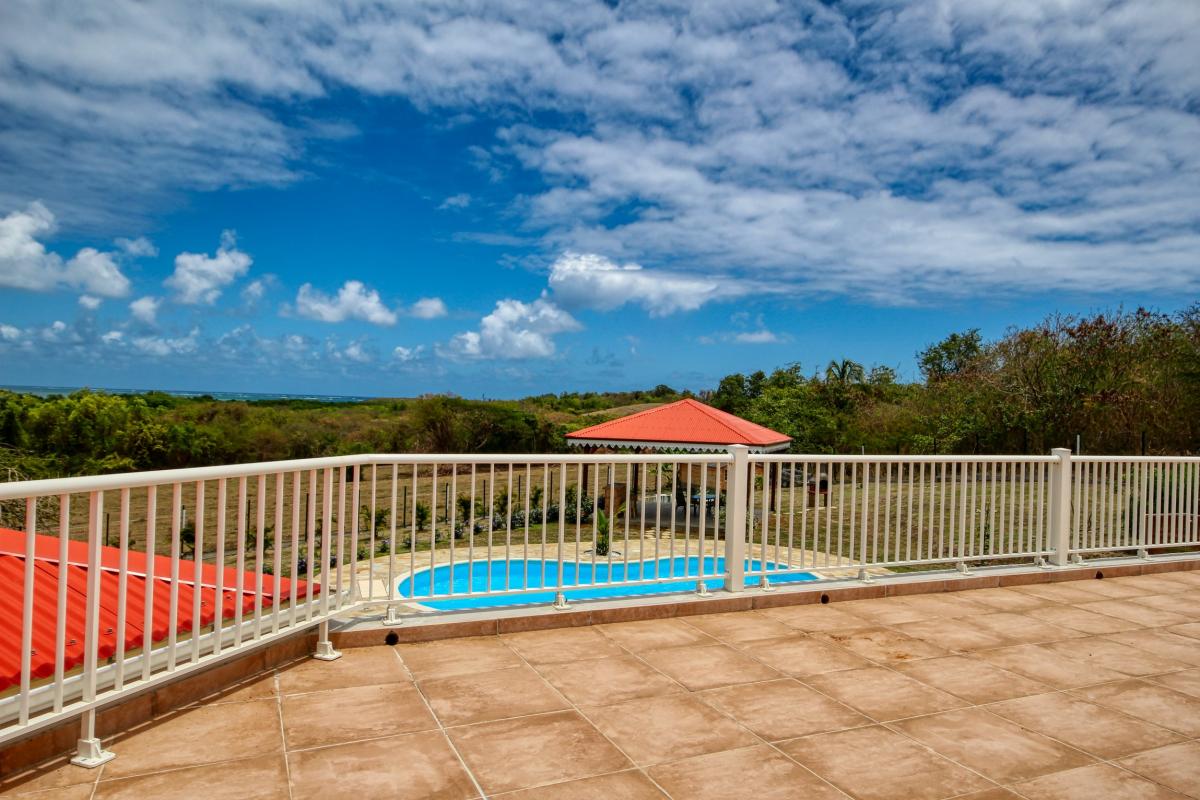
(560, 601)
(91, 755)
(702, 588)
(392, 619)
(325, 652)
(963, 569)
(865, 576)
(1144, 554)
(765, 584)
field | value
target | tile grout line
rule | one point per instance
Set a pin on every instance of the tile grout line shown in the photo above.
(441, 727)
(283, 743)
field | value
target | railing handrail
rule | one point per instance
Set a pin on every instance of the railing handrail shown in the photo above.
(49, 487)
(785, 458)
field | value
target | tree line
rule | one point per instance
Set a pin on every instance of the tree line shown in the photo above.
(1118, 383)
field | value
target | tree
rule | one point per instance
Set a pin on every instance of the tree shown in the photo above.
(954, 355)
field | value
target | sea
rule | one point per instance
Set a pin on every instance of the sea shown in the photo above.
(49, 391)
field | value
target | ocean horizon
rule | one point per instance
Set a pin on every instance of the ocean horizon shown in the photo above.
(50, 391)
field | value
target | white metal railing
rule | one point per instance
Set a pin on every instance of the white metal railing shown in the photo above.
(176, 570)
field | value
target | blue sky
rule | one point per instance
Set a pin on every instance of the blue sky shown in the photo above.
(352, 198)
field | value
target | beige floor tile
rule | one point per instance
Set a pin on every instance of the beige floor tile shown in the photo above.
(450, 657)
(1078, 619)
(1186, 681)
(533, 751)
(261, 778)
(1154, 584)
(1103, 652)
(883, 694)
(359, 712)
(801, 655)
(954, 635)
(561, 645)
(1185, 603)
(608, 681)
(1092, 782)
(654, 634)
(1094, 729)
(1188, 579)
(1147, 701)
(629, 785)
(948, 605)
(1136, 612)
(415, 766)
(990, 745)
(1176, 766)
(198, 735)
(1188, 629)
(1162, 643)
(1004, 599)
(816, 617)
(58, 775)
(883, 645)
(1022, 629)
(708, 666)
(1110, 589)
(658, 729)
(1041, 664)
(759, 772)
(990, 794)
(516, 692)
(884, 611)
(77, 792)
(783, 709)
(971, 679)
(358, 666)
(739, 626)
(1066, 592)
(877, 764)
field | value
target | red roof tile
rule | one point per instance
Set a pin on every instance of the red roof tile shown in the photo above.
(683, 422)
(45, 609)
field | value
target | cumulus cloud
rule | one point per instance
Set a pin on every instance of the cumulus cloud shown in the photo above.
(353, 301)
(514, 330)
(886, 151)
(145, 309)
(9, 333)
(588, 280)
(428, 308)
(199, 279)
(25, 263)
(406, 354)
(138, 248)
(89, 302)
(162, 346)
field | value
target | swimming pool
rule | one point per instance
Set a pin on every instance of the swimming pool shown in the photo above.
(677, 574)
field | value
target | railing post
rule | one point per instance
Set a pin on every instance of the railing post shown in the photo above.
(1060, 506)
(735, 518)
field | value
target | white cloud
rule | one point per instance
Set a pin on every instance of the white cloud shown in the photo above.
(588, 280)
(353, 301)
(145, 309)
(25, 263)
(113, 337)
(886, 151)
(137, 248)
(200, 279)
(89, 302)
(162, 346)
(761, 336)
(253, 292)
(456, 201)
(406, 354)
(428, 308)
(9, 333)
(356, 352)
(514, 330)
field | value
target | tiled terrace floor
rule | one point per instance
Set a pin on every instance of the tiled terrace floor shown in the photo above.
(1087, 689)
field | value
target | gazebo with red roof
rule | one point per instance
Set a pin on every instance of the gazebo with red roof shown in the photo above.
(683, 426)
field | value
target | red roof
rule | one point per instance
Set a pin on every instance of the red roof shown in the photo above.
(45, 604)
(683, 422)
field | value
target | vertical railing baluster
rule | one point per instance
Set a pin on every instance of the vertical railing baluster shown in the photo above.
(60, 624)
(122, 591)
(219, 568)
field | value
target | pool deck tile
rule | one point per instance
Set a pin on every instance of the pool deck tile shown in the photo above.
(1038, 690)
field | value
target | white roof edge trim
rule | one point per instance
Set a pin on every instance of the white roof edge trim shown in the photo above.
(687, 447)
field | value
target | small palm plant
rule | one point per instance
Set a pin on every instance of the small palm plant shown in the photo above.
(602, 542)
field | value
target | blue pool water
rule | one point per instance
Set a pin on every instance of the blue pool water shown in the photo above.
(679, 575)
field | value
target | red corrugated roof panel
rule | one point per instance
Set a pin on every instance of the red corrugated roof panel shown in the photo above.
(45, 607)
(685, 422)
